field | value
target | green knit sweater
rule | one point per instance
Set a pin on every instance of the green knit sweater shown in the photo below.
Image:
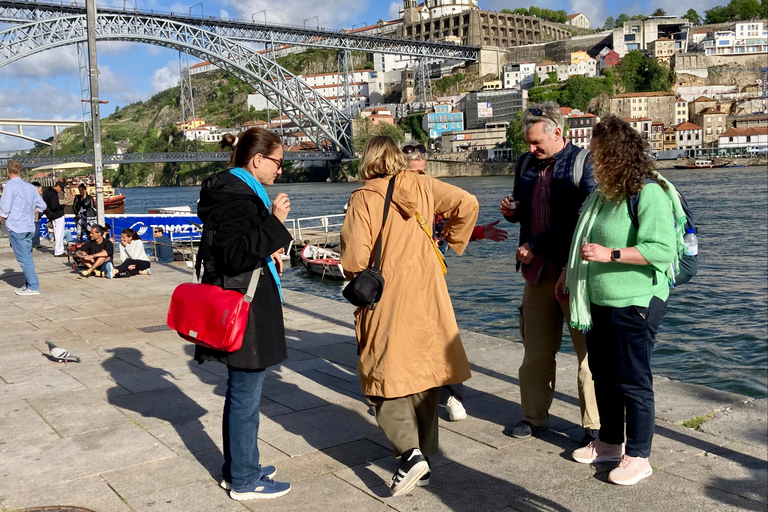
(620, 285)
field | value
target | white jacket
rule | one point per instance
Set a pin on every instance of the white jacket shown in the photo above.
(133, 251)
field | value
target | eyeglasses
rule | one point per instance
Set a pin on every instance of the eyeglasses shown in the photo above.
(278, 162)
(540, 113)
(411, 148)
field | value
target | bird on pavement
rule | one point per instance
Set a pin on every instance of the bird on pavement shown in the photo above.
(61, 355)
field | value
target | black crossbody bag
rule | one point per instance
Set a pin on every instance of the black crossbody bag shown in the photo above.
(366, 288)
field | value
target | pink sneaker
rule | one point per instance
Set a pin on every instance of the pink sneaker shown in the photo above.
(598, 451)
(630, 471)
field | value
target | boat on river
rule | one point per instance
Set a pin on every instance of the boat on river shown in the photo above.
(114, 202)
(322, 261)
(700, 164)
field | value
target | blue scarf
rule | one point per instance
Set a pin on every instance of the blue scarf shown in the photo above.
(259, 189)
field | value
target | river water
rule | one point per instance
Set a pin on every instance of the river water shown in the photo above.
(716, 329)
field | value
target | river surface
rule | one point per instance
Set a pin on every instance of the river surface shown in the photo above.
(715, 332)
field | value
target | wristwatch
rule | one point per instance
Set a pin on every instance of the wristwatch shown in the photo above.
(615, 255)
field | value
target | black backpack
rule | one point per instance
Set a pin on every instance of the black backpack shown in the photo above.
(689, 265)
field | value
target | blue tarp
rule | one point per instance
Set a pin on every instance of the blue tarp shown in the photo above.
(177, 227)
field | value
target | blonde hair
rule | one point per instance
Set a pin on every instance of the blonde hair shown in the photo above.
(381, 157)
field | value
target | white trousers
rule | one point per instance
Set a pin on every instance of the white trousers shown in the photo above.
(58, 235)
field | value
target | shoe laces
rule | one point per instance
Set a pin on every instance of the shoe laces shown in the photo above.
(626, 460)
(452, 400)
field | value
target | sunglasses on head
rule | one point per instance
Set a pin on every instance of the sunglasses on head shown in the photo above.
(540, 113)
(411, 148)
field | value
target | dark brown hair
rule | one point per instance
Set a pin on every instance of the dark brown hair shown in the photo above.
(132, 234)
(248, 144)
(622, 159)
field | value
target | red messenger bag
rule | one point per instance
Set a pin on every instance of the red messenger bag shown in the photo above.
(210, 316)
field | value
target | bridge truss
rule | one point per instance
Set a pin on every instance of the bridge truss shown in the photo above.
(323, 123)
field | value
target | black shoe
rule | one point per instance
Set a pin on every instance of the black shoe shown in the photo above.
(524, 429)
(590, 434)
(62, 255)
(410, 471)
(424, 481)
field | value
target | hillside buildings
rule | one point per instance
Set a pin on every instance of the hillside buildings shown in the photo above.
(688, 136)
(493, 107)
(639, 34)
(744, 38)
(712, 122)
(443, 119)
(578, 20)
(657, 106)
(753, 137)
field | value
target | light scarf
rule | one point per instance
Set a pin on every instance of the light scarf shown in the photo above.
(257, 187)
(577, 274)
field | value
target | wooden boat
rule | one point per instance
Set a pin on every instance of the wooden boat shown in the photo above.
(114, 203)
(701, 164)
(320, 260)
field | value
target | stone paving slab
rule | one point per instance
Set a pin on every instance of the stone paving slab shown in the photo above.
(137, 424)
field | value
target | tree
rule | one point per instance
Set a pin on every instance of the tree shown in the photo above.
(536, 79)
(515, 137)
(659, 12)
(609, 23)
(745, 9)
(639, 73)
(579, 90)
(718, 14)
(620, 20)
(506, 11)
(693, 17)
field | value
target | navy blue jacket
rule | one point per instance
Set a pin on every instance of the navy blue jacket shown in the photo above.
(565, 201)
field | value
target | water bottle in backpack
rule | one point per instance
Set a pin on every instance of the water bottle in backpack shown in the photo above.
(691, 242)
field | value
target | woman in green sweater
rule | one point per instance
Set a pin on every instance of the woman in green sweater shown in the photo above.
(617, 282)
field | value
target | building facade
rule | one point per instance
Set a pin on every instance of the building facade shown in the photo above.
(688, 136)
(662, 49)
(681, 110)
(656, 136)
(493, 107)
(578, 20)
(637, 34)
(713, 123)
(491, 136)
(606, 58)
(443, 119)
(749, 138)
(519, 75)
(744, 38)
(580, 127)
(657, 106)
(700, 104)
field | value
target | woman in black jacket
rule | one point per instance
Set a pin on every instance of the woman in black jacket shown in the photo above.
(240, 235)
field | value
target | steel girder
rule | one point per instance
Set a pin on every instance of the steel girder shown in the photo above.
(15, 11)
(310, 111)
(148, 158)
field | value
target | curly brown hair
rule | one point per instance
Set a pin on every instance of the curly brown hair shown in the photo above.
(622, 159)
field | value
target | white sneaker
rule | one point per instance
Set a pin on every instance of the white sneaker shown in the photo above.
(26, 291)
(455, 409)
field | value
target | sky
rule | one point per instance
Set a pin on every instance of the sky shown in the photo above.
(47, 85)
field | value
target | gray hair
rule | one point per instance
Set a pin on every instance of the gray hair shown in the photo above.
(416, 155)
(552, 118)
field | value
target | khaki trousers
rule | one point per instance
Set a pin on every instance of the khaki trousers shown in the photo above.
(541, 326)
(410, 421)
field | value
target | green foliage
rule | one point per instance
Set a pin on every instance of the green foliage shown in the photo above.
(640, 73)
(737, 10)
(365, 130)
(717, 14)
(412, 124)
(536, 79)
(448, 83)
(559, 16)
(693, 17)
(551, 78)
(623, 18)
(576, 92)
(515, 137)
(659, 12)
(297, 63)
(506, 11)
(609, 24)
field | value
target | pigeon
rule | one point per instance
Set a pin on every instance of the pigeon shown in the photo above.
(61, 355)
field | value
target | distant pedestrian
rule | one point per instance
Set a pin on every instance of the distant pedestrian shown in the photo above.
(546, 201)
(163, 245)
(134, 260)
(55, 214)
(96, 254)
(18, 205)
(84, 209)
(619, 276)
(36, 239)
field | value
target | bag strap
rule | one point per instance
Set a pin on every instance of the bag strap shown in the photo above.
(253, 284)
(387, 200)
(578, 166)
(422, 221)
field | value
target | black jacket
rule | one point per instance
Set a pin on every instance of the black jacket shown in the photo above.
(55, 209)
(87, 203)
(239, 233)
(565, 200)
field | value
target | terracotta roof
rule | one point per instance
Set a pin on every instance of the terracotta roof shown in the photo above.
(752, 130)
(643, 94)
(200, 64)
(571, 16)
(710, 110)
(546, 62)
(663, 39)
(680, 99)
(687, 126)
(566, 110)
(703, 98)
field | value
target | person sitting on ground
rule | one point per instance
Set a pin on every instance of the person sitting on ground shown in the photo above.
(163, 244)
(85, 212)
(96, 254)
(451, 395)
(134, 259)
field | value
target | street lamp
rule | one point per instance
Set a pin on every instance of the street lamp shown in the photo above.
(363, 24)
(313, 18)
(193, 6)
(257, 12)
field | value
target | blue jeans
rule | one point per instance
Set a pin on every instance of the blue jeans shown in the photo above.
(240, 427)
(21, 243)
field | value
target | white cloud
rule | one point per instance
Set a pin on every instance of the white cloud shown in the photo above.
(223, 14)
(331, 13)
(48, 63)
(394, 10)
(165, 77)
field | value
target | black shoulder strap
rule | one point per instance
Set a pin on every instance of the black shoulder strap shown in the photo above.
(387, 200)
(634, 201)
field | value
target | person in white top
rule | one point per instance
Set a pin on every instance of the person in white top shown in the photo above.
(134, 259)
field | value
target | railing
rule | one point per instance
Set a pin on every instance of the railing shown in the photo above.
(314, 226)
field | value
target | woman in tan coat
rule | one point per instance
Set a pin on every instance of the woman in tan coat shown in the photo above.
(409, 344)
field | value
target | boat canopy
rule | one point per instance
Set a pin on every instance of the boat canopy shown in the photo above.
(68, 165)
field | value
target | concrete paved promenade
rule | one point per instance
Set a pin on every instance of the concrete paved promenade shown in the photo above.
(136, 425)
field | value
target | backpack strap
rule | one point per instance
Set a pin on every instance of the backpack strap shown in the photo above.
(578, 166)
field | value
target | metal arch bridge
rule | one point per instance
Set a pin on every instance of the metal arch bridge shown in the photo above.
(307, 108)
(16, 11)
(150, 158)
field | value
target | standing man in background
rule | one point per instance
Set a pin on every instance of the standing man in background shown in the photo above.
(18, 204)
(85, 212)
(36, 239)
(551, 183)
(55, 214)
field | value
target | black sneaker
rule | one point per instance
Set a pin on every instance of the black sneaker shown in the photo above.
(424, 481)
(410, 471)
(590, 434)
(523, 429)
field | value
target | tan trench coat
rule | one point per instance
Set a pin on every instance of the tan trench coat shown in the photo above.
(410, 342)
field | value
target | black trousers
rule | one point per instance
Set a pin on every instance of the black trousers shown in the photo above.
(620, 346)
(140, 265)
